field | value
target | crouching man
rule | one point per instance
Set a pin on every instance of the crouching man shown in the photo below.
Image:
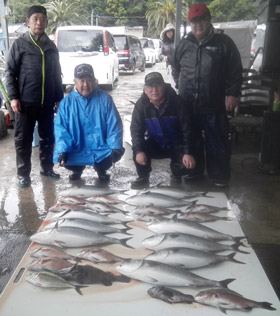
(88, 128)
(160, 128)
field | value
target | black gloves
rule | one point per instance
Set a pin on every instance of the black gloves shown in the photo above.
(62, 158)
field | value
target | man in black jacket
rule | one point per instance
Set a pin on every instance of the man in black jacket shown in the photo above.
(160, 128)
(208, 73)
(34, 86)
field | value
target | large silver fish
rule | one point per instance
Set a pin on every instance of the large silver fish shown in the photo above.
(188, 258)
(155, 199)
(86, 224)
(176, 225)
(170, 295)
(50, 280)
(73, 237)
(87, 191)
(172, 240)
(163, 274)
(204, 208)
(224, 299)
(153, 210)
(176, 192)
(201, 217)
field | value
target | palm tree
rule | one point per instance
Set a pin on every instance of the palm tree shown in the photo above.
(63, 12)
(161, 12)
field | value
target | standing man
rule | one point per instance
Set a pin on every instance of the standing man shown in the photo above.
(160, 128)
(88, 128)
(208, 73)
(34, 86)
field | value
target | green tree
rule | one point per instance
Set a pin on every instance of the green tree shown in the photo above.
(117, 8)
(228, 10)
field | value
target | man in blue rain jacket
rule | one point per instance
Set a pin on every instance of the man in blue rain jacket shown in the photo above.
(88, 128)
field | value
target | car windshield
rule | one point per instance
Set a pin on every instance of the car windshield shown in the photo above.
(120, 42)
(144, 43)
(80, 40)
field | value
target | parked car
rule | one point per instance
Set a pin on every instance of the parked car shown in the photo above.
(93, 45)
(158, 46)
(130, 53)
(149, 50)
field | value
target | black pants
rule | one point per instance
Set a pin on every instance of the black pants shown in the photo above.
(154, 151)
(212, 145)
(100, 167)
(24, 128)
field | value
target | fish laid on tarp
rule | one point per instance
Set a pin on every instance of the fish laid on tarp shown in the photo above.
(86, 224)
(169, 295)
(163, 274)
(88, 215)
(72, 237)
(224, 299)
(87, 191)
(155, 199)
(188, 258)
(104, 199)
(204, 208)
(176, 225)
(153, 210)
(98, 255)
(202, 217)
(173, 240)
(51, 252)
(176, 192)
(50, 280)
(87, 275)
(48, 264)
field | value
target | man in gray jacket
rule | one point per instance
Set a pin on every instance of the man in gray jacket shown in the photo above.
(34, 86)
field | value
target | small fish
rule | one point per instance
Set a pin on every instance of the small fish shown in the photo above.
(48, 264)
(87, 191)
(202, 217)
(104, 199)
(176, 192)
(163, 274)
(153, 210)
(86, 224)
(169, 295)
(176, 240)
(51, 252)
(188, 258)
(74, 237)
(60, 207)
(224, 299)
(50, 280)
(155, 199)
(204, 208)
(98, 255)
(176, 225)
(87, 275)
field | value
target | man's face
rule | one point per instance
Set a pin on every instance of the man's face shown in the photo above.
(84, 85)
(37, 23)
(200, 27)
(155, 92)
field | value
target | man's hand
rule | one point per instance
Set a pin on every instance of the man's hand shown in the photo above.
(188, 161)
(16, 105)
(62, 158)
(141, 158)
(231, 103)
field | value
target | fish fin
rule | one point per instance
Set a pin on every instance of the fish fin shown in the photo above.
(59, 244)
(224, 283)
(222, 309)
(267, 305)
(122, 278)
(231, 258)
(78, 289)
(237, 245)
(124, 242)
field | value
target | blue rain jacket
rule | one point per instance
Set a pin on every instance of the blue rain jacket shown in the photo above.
(87, 129)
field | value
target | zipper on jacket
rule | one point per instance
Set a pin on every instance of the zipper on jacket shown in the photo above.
(43, 69)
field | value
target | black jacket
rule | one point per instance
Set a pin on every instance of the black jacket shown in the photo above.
(168, 126)
(207, 72)
(27, 78)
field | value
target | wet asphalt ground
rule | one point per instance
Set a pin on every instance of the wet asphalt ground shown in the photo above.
(256, 193)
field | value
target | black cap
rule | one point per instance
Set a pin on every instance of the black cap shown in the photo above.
(36, 9)
(153, 78)
(83, 70)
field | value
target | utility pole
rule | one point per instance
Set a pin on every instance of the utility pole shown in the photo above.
(178, 21)
(5, 33)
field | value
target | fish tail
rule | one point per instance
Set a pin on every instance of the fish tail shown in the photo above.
(124, 230)
(122, 278)
(226, 218)
(231, 258)
(224, 283)
(205, 195)
(267, 305)
(124, 242)
(238, 240)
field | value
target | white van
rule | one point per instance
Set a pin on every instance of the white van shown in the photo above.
(94, 45)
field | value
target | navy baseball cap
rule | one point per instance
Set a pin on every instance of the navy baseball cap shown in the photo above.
(83, 70)
(153, 78)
